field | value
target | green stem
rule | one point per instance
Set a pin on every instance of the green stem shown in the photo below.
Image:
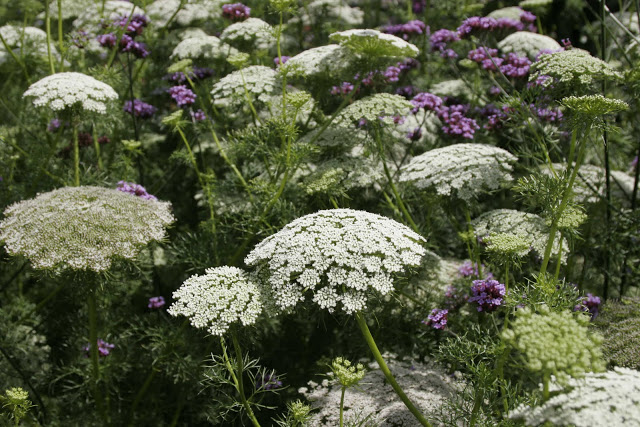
(15, 58)
(47, 21)
(76, 155)
(387, 373)
(559, 262)
(140, 395)
(342, 406)
(96, 145)
(60, 35)
(545, 386)
(476, 249)
(93, 353)
(240, 382)
(477, 402)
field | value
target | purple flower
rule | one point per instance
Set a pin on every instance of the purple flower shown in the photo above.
(80, 39)
(276, 60)
(135, 26)
(634, 162)
(477, 24)
(107, 40)
(236, 12)
(135, 189)
(437, 319)
(198, 116)
(468, 269)
(392, 74)
(440, 38)
(406, 30)
(456, 123)
(269, 382)
(104, 348)
(138, 49)
(488, 294)
(426, 100)
(495, 90)
(344, 89)
(156, 302)
(591, 304)
(414, 135)
(527, 17)
(515, 66)
(197, 73)
(139, 108)
(406, 91)
(54, 125)
(182, 95)
(566, 43)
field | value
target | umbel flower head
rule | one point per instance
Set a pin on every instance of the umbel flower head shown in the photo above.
(215, 300)
(253, 33)
(593, 105)
(466, 168)
(373, 43)
(27, 42)
(331, 58)
(82, 228)
(555, 343)
(373, 107)
(599, 399)
(66, 90)
(526, 43)
(202, 47)
(347, 373)
(340, 255)
(572, 67)
(259, 81)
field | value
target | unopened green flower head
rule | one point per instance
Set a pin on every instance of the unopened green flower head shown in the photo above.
(509, 244)
(238, 60)
(373, 43)
(299, 410)
(347, 373)
(571, 219)
(297, 99)
(174, 120)
(184, 66)
(83, 228)
(555, 343)
(282, 5)
(594, 105)
(16, 400)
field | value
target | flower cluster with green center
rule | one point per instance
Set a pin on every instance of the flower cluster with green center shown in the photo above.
(339, 255)
(215, 300)
(557, 343)
(373, 43)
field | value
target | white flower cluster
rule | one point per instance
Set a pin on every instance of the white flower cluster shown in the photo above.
(426, 384)
(258, 81)
(215, 300)
(253, 33)
(331, 58)
(82, 228)
(273, 107)
(70, 8)
(202, 47)
(510, 12)
(372, 108)
(573, 65)
(65, 90)
(589, 186)
(466, 168)
(528, 44)
(339, 175)
(90, 19)
(337, 135)
(373, 43)
(27, 41)
(598, 400)
(340, 255)
(160, 11)
(456, 88)
(331, 10)
(428, 123)
(509, 221)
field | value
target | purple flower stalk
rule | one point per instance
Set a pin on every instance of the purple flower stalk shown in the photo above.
(468, 269)
(156, 302)
(440, 38)
(515, 66)
(236, 12)
(135, 189)
(276, 60)
(456, 123)
(437, 319)
(426, 100)
(344, 89)
(182, 95)
(488, 294)
(198, 116)
(406, 30)
(392, 74)
(104, 348)
(54, 125)
(414, 135)
(591, 304)
(139, 108)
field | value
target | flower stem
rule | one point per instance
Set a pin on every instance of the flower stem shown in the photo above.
(47, 21)
(240, 383)
(93, 353)
(76, 156)
(342, 406)
(387, 373)
(60, 35)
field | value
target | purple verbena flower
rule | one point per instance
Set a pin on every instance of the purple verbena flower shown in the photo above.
(406, 30)
(344, 89)
(426, 100)
(437, 319)
(198, 116)
(276, 60)
(269, 382)
(418, 6)
(236, 12)
(139, 108)
(182, 95)
(156, 302)
(468, 269)
(107, 40)
(515, 66)
(54, 125)
(104, 348)
(392, 74)
(440, 38)
(591, 304)
(415, 134)
(456, 123)
(488, 294)
(135, 189)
